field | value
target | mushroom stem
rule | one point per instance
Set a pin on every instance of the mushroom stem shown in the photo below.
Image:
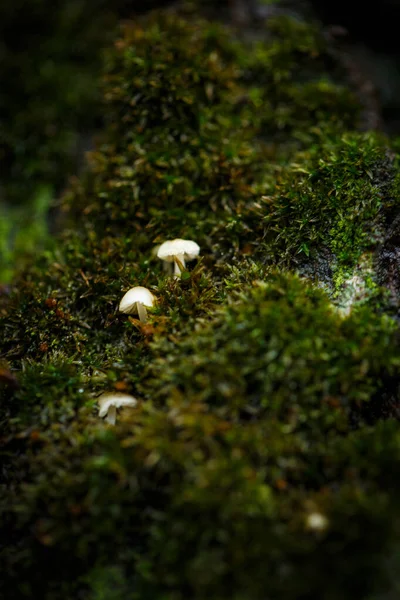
(142, 312)
(167, 267)
(177, 269)
(111, 415)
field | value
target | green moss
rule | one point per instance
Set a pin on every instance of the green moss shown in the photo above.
(194, 136)
(275, 332)
(190, 92)
(248, 429)
(333, 200)
(259, 403)
(61, 384)
(298, 85)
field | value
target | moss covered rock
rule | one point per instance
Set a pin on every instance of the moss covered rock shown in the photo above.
(262, 458)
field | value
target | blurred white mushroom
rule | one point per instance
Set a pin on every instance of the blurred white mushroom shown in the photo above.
(135, 302)
(316, 521)
(178, 251)
(110, 401)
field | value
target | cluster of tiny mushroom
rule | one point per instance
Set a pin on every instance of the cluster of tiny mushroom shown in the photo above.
(175, 254)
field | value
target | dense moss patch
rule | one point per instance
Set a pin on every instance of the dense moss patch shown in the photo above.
(260, 459)
(194, 136)
(334, 199)
(297, 85)
(282, 333)
(249, 428)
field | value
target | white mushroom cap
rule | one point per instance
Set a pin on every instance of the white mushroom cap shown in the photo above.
(110, 401)
(177, 251)
(186, 248)
(316, 521)
(137, 294)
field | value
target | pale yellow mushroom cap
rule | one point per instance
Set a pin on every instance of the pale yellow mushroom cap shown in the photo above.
(137, 294)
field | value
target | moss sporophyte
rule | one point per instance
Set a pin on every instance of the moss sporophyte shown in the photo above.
(263, 457)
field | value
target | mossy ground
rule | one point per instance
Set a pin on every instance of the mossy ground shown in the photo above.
(260, 404)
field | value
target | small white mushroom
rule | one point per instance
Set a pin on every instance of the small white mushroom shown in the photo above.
(316, 521)
(110, 401)
(135, 302)
(178, 251)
